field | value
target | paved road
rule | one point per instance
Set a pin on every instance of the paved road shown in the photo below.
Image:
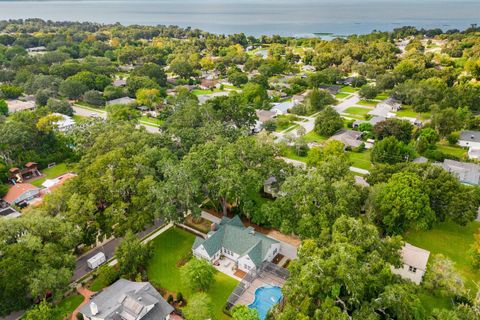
(102, 114)
(108, 249)
(351, 101)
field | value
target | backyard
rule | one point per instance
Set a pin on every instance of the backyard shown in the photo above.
(67, 306)
(170, 250)
(453, 241)
(455, 151)
(50, 173)
(360, 159)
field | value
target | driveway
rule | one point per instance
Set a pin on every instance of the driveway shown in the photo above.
(351, 101)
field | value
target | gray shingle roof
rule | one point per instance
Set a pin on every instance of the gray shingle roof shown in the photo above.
(469, 135)
(128, 299)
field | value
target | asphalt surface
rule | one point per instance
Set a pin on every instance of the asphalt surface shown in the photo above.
(108, 249)
(101, 114)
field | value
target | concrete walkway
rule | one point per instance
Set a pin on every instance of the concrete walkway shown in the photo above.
(210, 217)
(87, 294)
(351, 101)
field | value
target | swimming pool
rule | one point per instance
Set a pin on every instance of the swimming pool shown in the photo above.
(265, 298)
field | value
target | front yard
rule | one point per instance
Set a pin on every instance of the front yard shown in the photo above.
(67, 306)
(170, 250)
(360, 159)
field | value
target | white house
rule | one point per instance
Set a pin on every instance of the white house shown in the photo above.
(282, 108)
(414, 263)
(469, 139)
(65, 124)
(247, 248)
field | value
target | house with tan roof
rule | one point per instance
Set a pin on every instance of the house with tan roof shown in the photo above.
(414, 263)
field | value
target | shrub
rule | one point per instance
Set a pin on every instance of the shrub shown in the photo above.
(453, 138)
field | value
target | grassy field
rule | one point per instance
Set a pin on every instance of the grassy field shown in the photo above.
(170, 247)
(455, 151)
(151, 121)
(342, 95)
(51, 173)
(312, 136)
(360, 160)
(67, 306)
(199, 92)
(453, 241)
(358, 111)
(382, 96)
(289, 152)
(407, 111)
(367, 103)
(349, 89)
(430, 302)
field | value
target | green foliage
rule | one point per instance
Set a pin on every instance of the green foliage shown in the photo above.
(242, 312)
(400, 204)
(391, 151)
(3, 108)
(368, 92)
(8, 91)
(199, 307)
(72, 88)
(442, 279)
(42, 311)
(318, 100)
(94, 98)
(328, 122)
(400, 129)
(197, 274)
(123, 113)
(132, 255)
(106, 275)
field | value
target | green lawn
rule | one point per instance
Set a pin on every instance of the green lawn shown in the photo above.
(51, 173)
(199, 92)
(342, 95)
(430, 302)
(67, 306)
(349, 89)
(360, 160)
(407, 111)
(455, 151)
(170, 247)
(151, 121)
(382, 96)
(358, 111)
(312, 136)
(453, 241)
(289, 152)
(367, 103)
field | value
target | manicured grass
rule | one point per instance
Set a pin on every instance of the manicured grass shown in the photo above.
(67, 306)
(97, 284)
(51, 173)
(169, 248)
(342, 95)
(455, 151)
(382, 96)
(407, 111)
(89, 106)
(312, 136)
(430, 302)
(151, 121)
(349, 89)
(199, 92)
(79, 119)
(289, 152)
(368, 103)
(453, 241)
(358, 111)
(360, 160)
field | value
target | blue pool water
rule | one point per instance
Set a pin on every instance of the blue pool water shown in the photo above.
(265, 298)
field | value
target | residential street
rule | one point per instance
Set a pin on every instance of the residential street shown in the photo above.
(108, 249)
(347, 103)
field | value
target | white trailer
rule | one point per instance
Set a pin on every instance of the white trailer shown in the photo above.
(96, 260)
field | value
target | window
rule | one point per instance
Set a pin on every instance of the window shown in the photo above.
(412, 269)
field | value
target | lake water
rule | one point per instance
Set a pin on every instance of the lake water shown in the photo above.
(258, 17)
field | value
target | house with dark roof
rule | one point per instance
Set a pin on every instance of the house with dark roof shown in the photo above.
(244, 246)
(468, 173)
(469, 139)
(127, 300)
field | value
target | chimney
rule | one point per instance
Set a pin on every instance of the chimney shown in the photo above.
(213, 227)
(93, 308)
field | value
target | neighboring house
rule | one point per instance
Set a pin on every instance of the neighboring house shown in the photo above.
(37, 49)
(207, 84)
(127, 300)
(263, 116)
(474, 153)
(469, 139)
(121, 101)
(309, 68)
(349, 138)
(331, 89)
(19, 105)
(346, 81)
(247, 248)
(271, 187)
(21, 194)
(468, 173)
(373, 121)
(65, 124)
(52, 184)
(205, 97)
(8, 212)
(120, 82)
(386, 108)
(414, 263)
(282, 108)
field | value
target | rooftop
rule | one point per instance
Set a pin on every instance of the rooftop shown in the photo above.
(415, 257)
(469, 135)
(17, 190)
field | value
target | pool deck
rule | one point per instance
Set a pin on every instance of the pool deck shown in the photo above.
(266, 279)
